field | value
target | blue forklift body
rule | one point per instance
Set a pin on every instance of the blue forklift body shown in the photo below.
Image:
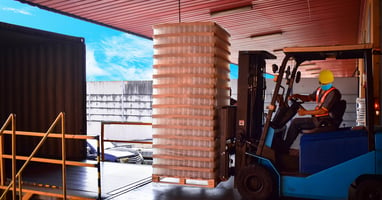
(331, 183)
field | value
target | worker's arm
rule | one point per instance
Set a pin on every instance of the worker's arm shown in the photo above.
(320, 111)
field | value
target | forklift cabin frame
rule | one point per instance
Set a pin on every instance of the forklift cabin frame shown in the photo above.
(302, 54)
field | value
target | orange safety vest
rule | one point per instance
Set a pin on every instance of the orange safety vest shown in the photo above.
(321, 101)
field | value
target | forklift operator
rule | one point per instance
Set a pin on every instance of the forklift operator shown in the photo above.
(325, 96)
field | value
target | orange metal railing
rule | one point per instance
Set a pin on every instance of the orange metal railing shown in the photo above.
(10, 119)
(103, 123)
(17, 175)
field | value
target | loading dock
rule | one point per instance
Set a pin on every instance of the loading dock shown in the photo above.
(116, 179)
(63, 178)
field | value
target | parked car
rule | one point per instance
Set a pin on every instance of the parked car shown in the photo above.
(114, 153)
(147, 154)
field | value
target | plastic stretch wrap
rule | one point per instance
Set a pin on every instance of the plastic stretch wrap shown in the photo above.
(184, 132)
(190, 83)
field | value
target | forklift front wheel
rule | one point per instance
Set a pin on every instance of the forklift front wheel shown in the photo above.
(256, 182)
(366, 190)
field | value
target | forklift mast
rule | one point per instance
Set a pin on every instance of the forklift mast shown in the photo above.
(250, 103)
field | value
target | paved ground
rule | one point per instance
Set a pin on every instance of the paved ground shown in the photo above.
(160, 191)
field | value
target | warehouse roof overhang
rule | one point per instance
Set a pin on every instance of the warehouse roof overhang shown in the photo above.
(254, 25)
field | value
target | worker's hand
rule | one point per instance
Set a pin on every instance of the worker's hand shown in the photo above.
(271, 107)
(301, 111)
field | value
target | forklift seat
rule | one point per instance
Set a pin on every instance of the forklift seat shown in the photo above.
(336, 114)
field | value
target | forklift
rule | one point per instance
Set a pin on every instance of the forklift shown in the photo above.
(351, 170)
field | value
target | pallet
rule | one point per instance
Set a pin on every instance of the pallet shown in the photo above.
(196, 182)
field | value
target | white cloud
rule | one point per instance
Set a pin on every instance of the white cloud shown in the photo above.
(127, 48)
(128, 57)
(92, 68)
(17, 11)
(130, 72)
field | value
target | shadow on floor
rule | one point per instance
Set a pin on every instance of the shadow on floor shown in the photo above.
(161, 191)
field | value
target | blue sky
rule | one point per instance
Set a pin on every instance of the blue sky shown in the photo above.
(111, 55)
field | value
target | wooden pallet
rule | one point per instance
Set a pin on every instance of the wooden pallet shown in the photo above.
(208, 183)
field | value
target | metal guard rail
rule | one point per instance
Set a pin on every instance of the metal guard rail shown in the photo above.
(63, 162)
(103, 123)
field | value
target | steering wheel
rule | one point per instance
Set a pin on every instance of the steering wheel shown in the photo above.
(286, 113)
(296, 102)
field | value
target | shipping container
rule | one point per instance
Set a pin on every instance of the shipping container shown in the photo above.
(42, 74)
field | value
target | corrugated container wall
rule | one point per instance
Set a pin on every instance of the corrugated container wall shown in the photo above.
(41, 75)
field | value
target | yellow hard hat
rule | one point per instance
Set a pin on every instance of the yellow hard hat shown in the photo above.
(326, 76)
